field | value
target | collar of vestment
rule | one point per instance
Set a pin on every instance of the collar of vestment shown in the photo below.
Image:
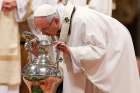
(66, 22)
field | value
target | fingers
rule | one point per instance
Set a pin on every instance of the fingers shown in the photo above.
(58, 43)
(8, 6)
(13, 4)
(61, 46)
(7, 9)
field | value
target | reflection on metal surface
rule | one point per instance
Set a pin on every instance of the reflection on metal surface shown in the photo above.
(42, 74)
(49, 85)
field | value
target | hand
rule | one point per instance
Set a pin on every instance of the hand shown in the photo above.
(8, 5)
(62, 47)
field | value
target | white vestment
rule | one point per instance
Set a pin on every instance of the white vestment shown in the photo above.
(10, 89)
(37, 3)
(10, 73)
(102, 56)
(77, 2)
(103, 6)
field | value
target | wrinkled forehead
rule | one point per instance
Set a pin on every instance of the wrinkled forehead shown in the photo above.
(45, 18)
(39, 17)
(40, 21)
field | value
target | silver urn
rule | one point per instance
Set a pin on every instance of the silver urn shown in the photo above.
(41, 74)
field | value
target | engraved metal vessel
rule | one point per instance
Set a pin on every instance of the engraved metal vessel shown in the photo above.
(41, 74)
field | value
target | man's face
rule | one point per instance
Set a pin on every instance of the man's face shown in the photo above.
(46, 27)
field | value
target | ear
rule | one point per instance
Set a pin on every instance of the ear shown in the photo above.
(57, 20)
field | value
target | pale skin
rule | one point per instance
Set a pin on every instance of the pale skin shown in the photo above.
(8, 5)
(51, 29)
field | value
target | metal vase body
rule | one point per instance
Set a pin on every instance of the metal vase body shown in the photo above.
(42, 73)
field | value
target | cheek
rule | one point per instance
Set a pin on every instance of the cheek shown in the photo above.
(40, 24)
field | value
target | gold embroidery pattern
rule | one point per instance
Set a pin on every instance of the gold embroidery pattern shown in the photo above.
(9, 58)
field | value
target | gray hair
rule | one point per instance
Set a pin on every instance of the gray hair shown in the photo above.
(50, 17)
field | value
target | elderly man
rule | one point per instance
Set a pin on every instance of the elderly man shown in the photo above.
(99, 54)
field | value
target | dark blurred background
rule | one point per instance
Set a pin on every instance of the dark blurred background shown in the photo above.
(128, 13)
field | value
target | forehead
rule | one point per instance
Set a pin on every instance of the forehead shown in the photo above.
(41, 22)
(40, 18)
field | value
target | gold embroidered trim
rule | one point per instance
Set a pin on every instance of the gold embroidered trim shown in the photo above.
(28, 9)
(9, 49)
(9, 58)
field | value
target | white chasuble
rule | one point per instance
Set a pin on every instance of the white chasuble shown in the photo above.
(103, 6)
(9, 89)
(71, 80)
(9, 50)
(9, 53)
(77, 2)
(102, 56)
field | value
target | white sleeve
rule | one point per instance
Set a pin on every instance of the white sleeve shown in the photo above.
(1, 2)
(88, 55)
(77, 2)
(21, 9)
